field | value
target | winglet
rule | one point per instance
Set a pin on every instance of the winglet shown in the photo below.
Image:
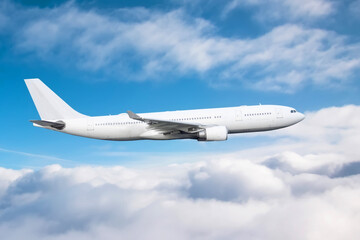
(134, 116)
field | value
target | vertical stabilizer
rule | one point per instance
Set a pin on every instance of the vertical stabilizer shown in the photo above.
(49, 105)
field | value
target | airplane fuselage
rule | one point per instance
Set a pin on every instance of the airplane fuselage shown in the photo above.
(204, 124)
(236, 120)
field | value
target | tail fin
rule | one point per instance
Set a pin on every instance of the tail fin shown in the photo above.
(49, 105)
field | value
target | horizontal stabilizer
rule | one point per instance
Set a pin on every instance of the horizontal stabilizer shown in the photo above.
(57, 125)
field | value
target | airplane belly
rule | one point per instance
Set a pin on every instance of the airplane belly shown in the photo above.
(76, 127)
(251, 126)
(115, 133)
(155, 135)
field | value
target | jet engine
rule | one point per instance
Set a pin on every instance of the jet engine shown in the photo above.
(217, 133)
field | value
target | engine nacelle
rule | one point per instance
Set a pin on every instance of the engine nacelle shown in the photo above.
(217, 133)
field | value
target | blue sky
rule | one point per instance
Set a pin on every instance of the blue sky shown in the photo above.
(106, 57)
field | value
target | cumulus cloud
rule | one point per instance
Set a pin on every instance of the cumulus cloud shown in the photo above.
(293, 192)
(144, 44)
(324, 143)
(335, 128)
(209, 182)
(194, 202)
(7, 176)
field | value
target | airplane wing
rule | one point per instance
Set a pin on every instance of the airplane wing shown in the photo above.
(166, 126)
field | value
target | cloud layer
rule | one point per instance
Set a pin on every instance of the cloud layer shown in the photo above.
(144, 44)
(293, 189)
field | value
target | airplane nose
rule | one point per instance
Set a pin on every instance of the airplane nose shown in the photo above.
(301, 117)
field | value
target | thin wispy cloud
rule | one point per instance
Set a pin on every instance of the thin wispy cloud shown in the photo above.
(34, 155)
(284, 9)
(151, 44)
(354, 8)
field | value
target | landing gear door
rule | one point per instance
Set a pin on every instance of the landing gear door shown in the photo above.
(238, 115)
(90, 126)
(279, 113)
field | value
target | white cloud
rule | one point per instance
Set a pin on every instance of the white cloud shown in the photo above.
(293, 189)
(7, 176)
(54, 204)
(335, 128)
(324, 143)
(141, 44)
(209, 181)
(291, 56)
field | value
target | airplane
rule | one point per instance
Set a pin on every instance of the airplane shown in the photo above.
(213, 124)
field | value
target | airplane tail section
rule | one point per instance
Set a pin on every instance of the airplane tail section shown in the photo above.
(49, 105)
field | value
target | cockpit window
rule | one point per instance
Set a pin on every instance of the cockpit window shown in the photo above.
(293, 111)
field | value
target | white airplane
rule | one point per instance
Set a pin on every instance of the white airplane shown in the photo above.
(203, 124)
